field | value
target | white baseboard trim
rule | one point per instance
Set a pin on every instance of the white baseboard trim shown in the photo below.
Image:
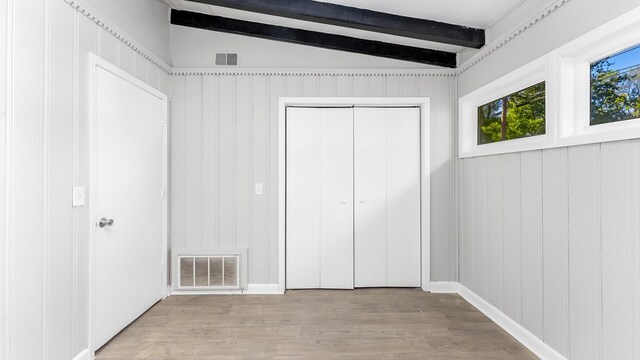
(526, 338)
(262, 289)
(84, 355)
(444, 287)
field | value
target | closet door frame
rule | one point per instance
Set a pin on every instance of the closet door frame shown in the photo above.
(425, 169)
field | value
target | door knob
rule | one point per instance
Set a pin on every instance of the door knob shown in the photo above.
(362, 201)
(105, 222)
(343, 202)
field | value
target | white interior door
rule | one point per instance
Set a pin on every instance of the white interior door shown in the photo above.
(319, 198)
(128, 178)
(371, 199)
(387, 183)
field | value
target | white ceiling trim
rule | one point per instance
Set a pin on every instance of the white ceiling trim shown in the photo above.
(313, 72)
(501, 41)
(506, 13)
(102, 21)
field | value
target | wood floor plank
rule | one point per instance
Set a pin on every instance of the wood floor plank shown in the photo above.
(315, 324)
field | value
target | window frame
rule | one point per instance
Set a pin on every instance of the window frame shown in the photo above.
(528, 75)
(575, 61)
(567, 73)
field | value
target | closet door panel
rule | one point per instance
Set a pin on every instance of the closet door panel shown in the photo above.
(403, 197)
(336, 244)
(303, 198)
(370, 128)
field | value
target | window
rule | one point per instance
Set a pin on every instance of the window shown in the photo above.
(615, 87)
(584, 92)
(527, 119)
(515, 116)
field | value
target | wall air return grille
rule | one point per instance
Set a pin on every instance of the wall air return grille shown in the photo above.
(226, 59)
(209, 272)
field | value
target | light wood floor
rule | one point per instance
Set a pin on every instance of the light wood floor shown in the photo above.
(315, 324)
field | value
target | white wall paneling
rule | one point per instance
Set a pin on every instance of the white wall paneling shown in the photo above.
(570, 270)
(187, 50)
(585, 273)
(47, 154)
(531, 247)
(555, 244)
(239, 134)
(619, 242)
(552, 25)
(4, 229)
(145, 21)
(569, 266)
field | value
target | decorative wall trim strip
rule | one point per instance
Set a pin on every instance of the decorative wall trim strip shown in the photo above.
(100, 20)
(504, 40)
(312, 72)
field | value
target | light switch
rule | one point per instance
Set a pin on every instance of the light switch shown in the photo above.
(259, 189)
(78, 195)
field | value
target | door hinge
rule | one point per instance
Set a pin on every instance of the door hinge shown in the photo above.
(161, 267)
(163, 194)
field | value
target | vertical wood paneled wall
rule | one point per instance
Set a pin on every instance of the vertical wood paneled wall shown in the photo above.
(552, 239)
(47, 287)
(224, 131)
(3, 168)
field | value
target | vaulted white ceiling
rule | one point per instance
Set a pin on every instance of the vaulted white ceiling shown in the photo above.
(474, 13)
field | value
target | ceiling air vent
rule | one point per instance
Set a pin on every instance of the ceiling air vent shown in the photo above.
(225, 59)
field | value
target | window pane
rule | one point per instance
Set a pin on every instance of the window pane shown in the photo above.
(615, 83)
(519, 115)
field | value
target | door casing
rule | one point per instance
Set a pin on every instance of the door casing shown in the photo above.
(96, 62)
(425, 169)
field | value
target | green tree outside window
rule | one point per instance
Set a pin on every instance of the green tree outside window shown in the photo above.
(615, 88)
(519, 115)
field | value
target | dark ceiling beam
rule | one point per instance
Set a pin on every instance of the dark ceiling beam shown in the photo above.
(363, 19)
(312, 38)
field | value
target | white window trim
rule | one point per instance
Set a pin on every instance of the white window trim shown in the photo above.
(528, 75)
(566, 71)
(575, 61)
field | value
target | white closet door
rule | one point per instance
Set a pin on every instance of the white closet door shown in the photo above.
(403, 197)
(387, 183)
(319, 215)
(371, 202)
(336, 224)
(303, 199)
